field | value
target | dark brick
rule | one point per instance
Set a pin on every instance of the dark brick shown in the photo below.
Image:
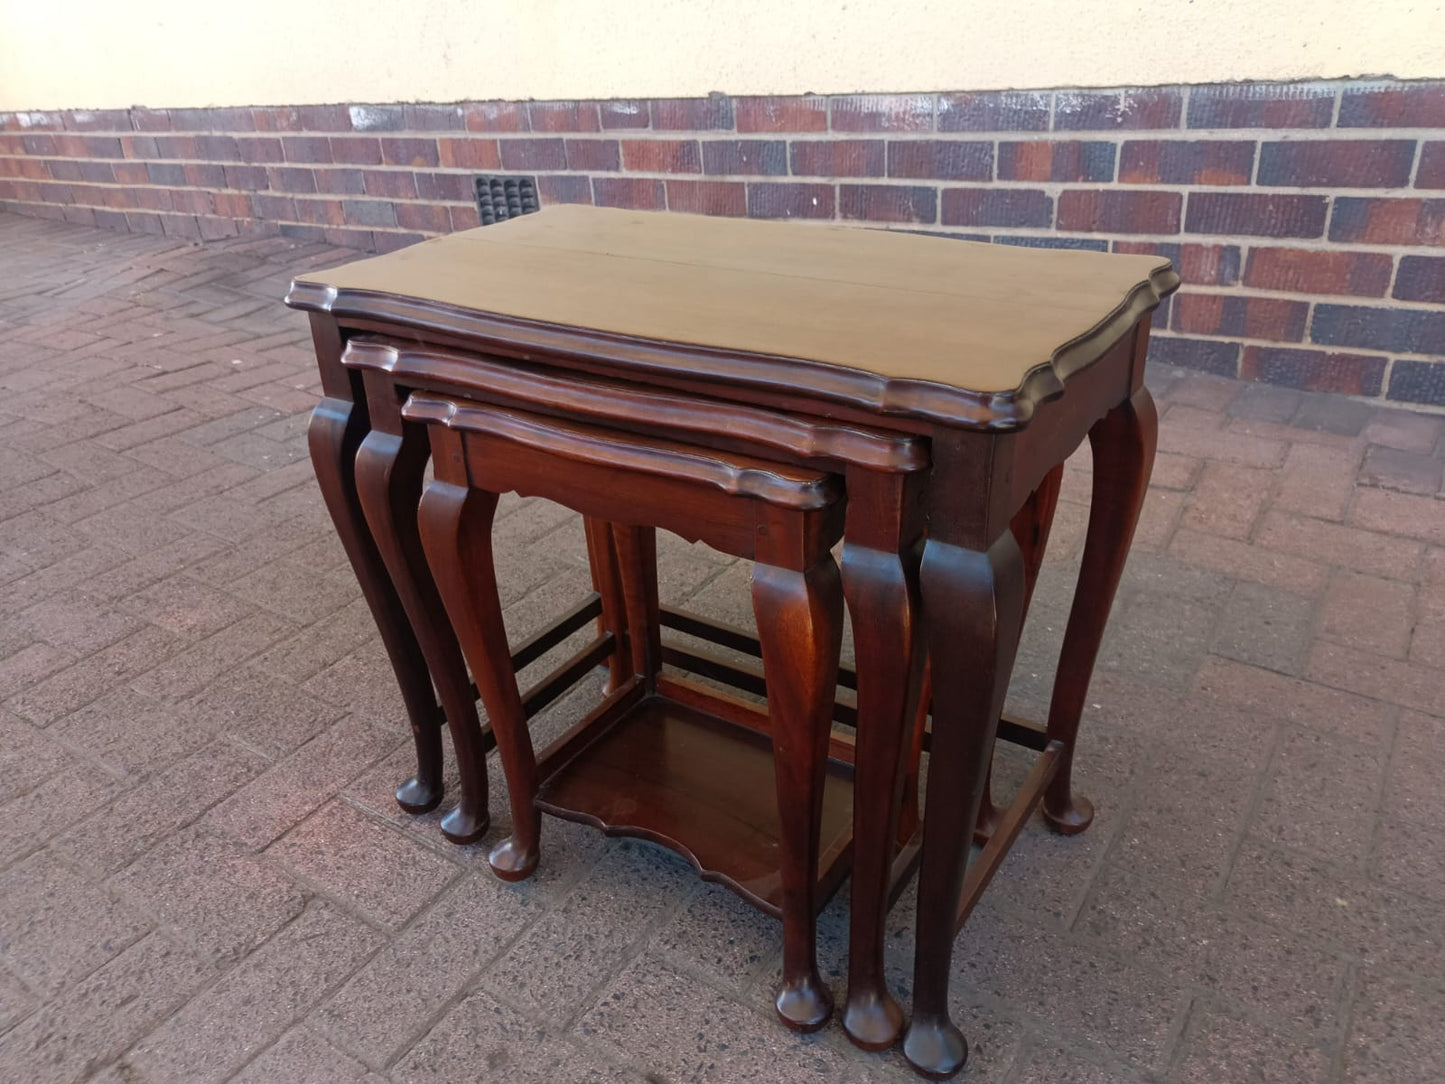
(150, 120)
(409, 151)
(883, 113)
(1313, 271)
(532, 154)
(564, 189)
(1072, 244)
(1245, 317)
(45, 144)
(692, 114)
(97, 120)
(1388, 221)
(377, 118)
(1055, 160)
(368, 212)
(325, 118)
(997, 207)
(994, 111)
(391, 184)
(1420, 278)
(1255, 214)
(564, 117)
(1152, 161)
(495, 117)
(361, 151)
(625, 114)
(92, 146)
(433, 118)
(212, 120)
(135, 173)
(593, 154)
(888, 203)
(1106, 111)
(838, 158)
(773, 200)
(1417, 382)
(259, 149)
(1261, 105)
(1409, 331)
(449, 186)
(390, 242)
(782, 114)
(139, 147)
(1342, 163)
(321, 212)
(1106, 210)
(359, 239)
(637, 193)
(247, 178)
(167, 173)
(745, 157)
(68, 169)
(103, 172)
(341, 182)
(1418, 106)
(465, 153)
(661, 155)
(426, 217)
(277, 118)
(307, 148)
(708, 197)
(266, 205)
(1431, 172)
(1313, 370)
(1202, 265)
(1204, 355)
(291, 179)
(943, 160)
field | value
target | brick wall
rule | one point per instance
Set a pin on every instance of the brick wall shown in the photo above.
(1307, 220)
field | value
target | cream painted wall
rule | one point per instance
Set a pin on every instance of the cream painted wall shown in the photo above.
(94, 54)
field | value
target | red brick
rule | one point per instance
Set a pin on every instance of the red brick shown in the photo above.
(1261, 105)
(391, 184)
(1314, 370)
(464, 153)
(467, 218)
(135, 173)
(192, 201)
(321, 212)
(1421, 106)
(1247, 317)
(533, 154)
(1056, 160)
(838, 158)
(1111, 211)
(361, 239)
(1431, 171)
(277, 118)
(495, 117)
(1400, 514)
(941, 160)
(1157, 107)
(426, 217)
(398, 151)
(564, 189)
(291, 179)
(888, 203)
(593, 154)
(1388, 221)
(1254, 214)
(324, 118)
(883, 113)
(637, 193)
(1202, 265)
(1370, 675)
(359, 151)
(1337, 163)
(781, 200)
(997, 207)
(1335, 544)
(440, 186)
(625, 114)
(564, 117)
(307, 148)
(1227, 499)
(233, 204)
(1312, 271)
(150, 120)
(247, 178)
(1242, 561)
(782, 114)
(346, 182)
(994, 111)
(1420, 278)
(708, 197)
(692, 114)
(1216, 162)
(662, 155)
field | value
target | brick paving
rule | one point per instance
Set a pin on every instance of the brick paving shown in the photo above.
(203, 876)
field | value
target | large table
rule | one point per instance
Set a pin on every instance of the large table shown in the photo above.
(809, 345)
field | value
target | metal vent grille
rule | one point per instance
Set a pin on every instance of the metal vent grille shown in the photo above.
(501, 198)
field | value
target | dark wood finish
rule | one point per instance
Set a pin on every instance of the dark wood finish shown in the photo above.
(602, 560)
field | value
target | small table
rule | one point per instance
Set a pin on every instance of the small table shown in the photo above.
(1000, 360)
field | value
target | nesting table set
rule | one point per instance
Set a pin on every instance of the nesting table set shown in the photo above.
(771, 390)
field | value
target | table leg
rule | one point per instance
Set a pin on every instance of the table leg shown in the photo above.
(337, 428)
(800, 627)
(389, 469)
(636, 549)
(880, 583)
(602, 558)
(1123, 443)
(456, 528)
(972, 609)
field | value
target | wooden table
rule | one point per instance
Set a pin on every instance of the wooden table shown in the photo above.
(1003, 359)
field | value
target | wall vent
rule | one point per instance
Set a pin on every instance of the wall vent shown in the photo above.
(501, 198)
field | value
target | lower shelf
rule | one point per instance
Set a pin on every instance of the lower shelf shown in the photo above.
(699, 784)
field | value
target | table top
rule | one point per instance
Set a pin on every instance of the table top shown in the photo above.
(788, 304)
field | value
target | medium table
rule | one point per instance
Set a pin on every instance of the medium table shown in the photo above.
(993, 363)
